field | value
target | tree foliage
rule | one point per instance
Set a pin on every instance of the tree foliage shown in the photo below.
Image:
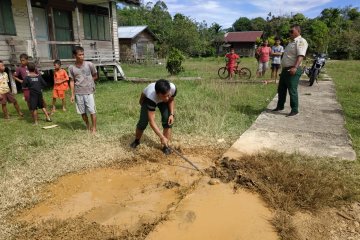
(242, 24)
(335, 31)
(174, 61)
(181, 32)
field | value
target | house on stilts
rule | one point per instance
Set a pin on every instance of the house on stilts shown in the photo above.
(49, 29)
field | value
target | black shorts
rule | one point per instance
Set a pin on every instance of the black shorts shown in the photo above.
(275, 66)
(36, 101)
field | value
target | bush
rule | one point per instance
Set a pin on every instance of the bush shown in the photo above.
(173, 64)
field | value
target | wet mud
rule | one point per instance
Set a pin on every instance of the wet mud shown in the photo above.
(120, 202)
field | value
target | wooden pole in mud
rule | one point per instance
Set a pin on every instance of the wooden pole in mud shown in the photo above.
(186, 159)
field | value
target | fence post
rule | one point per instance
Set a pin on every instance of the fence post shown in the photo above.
(115, 73)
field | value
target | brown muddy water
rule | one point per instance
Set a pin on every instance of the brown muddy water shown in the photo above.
(143, 194)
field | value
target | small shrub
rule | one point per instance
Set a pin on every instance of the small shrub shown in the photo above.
(173, 64)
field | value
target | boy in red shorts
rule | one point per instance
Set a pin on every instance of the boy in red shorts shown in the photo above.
(61, 79)
(5, 94)
(231, 59)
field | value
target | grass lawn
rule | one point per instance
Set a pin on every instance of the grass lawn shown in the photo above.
(206, 68)
(207, 108)
(346, 76)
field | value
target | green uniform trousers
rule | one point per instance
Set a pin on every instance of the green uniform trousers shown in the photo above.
(144, 120)
(289, 82)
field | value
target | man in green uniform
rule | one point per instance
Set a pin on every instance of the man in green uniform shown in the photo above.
(291, 71)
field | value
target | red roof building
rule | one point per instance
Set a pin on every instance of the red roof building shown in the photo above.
(243, 42)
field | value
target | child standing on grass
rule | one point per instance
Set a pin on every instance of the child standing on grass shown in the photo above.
(60, 85)
(21, 73)
(276, 52)
(5, 93)
(82, 84)
(35, 83)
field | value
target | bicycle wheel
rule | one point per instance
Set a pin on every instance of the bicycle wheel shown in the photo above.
(244, 73)
(223, 73)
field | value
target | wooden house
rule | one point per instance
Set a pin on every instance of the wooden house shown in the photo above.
(244, 43)
(136, 43)
(48, 29)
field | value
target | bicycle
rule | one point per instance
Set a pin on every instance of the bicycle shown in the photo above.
(243, 73)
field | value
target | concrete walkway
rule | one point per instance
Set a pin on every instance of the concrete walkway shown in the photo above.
(317, 131)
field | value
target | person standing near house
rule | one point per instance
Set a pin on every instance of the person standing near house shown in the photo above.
(231, 61)
(263, 52)
(61, 79)
(82, 76)
(5, 93)
(276, 52)
(291, 71)
(35, 83)
(160, 94)
(21, 73)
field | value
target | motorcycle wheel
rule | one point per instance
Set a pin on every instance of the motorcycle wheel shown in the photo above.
(314, 76)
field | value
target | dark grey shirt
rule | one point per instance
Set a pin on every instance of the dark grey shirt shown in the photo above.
(35, 83)
(83, 77)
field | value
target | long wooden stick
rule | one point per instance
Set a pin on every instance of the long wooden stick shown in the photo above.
(186, 159)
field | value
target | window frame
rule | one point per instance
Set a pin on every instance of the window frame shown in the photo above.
(93, 19)
(4, 20)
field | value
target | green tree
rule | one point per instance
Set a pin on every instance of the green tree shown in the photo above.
(332, 18)
(318, 36)
(185, 36)
(350, 13)
(298, 18)
(216, 36)
(242, 24)
(257, 24)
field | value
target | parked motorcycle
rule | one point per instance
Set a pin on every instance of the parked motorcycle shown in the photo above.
(314, 71)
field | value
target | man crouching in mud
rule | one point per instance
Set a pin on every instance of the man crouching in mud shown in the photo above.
(160, 94)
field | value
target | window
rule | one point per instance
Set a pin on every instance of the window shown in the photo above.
(96, 23)
(7, 26)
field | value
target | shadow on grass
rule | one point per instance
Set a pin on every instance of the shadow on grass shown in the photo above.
(126, 139)
(73, 125)
(246, 109)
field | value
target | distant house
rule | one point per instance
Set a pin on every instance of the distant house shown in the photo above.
(48, 30)
(243, 42)
(136, 43)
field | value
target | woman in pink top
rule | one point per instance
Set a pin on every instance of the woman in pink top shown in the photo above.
(264, 57)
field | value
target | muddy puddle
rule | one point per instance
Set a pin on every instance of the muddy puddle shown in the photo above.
(128, 199)
(125, 198)
(215, 212)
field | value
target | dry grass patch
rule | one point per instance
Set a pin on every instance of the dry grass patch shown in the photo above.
(284, 226)
(80, 228)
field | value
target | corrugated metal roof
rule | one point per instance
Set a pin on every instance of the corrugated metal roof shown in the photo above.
(130, 31)
(249, 36)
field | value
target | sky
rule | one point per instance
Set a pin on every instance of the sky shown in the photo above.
(226, 12)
